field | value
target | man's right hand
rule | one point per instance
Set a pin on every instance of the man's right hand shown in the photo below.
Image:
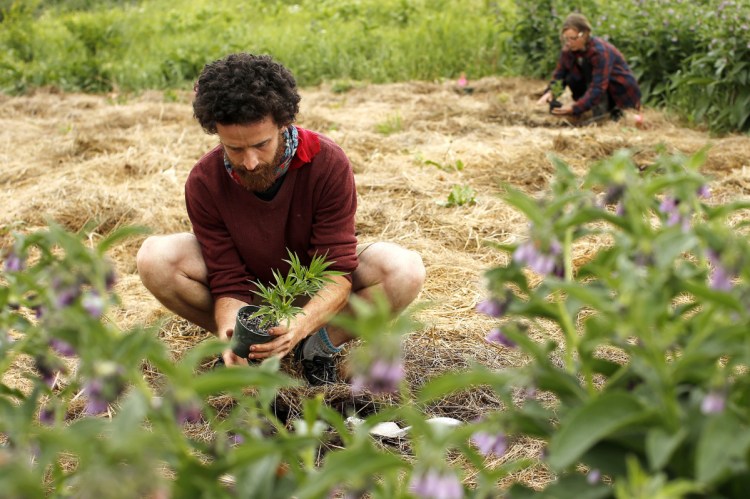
(225, 314)
(230, 359)
(545, 98)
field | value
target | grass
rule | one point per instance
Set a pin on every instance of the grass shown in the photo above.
(165, 43)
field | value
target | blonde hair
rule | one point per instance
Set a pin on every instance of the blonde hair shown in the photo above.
(577, 22)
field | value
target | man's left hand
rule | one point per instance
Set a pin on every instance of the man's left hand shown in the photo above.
(284, 343)
(565, 110)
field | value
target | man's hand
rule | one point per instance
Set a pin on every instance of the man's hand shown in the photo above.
(545, 98)
(225, 313)
(230, 359)
(285, 341)
(563, 110)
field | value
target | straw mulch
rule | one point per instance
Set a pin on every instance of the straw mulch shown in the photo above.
(117, 160)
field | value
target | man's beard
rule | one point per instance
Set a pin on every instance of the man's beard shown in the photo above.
(264, 175)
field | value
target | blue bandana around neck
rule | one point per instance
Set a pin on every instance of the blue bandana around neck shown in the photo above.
(291, 140)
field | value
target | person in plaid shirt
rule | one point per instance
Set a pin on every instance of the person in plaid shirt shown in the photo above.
(595, 71)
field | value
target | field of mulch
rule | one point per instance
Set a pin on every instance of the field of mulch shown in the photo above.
(115, 160)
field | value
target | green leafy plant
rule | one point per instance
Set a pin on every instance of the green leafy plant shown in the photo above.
(460, 195)
(393, 124)
(636, 377)
(457, 166)
(644, 347)
(557, 90)
(278, 303)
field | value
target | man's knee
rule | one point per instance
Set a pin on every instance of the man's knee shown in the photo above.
(412, 271)
(403, 274)
(160, 257)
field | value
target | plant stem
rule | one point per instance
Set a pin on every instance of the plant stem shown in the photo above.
(566, 322)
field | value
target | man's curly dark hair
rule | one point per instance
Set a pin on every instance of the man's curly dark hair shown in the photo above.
(245, 88)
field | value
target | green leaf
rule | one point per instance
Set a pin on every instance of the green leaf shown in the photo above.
(660, 446)
(548, 377)
(460, 381)
(586, 425)
(357, 464)
(238, 378)
(592, 295)
(129, 418)
(526, 204)
(118, 235)
(566, 487)
(722, 449)
(700, 290)
(532, 419)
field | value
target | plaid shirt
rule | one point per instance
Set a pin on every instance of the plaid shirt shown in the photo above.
(610, 73)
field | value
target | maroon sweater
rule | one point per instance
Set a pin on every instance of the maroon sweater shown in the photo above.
(244, 238)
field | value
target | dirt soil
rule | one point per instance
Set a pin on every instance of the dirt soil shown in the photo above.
(118, 160)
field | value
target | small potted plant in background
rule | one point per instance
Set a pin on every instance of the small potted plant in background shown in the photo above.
(278, 301)
(557, 89)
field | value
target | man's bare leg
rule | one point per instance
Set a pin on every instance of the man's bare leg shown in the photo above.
(172, 269)
(390, 269)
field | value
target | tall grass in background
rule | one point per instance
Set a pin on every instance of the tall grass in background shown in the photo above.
(164, 44)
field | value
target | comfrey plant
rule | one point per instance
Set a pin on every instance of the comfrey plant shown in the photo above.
(641, 388)
(647, 349)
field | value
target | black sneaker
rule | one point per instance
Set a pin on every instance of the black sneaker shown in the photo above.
(318, 371)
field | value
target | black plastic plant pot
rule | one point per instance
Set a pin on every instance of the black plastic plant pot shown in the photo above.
(248, 332)
(554, 104)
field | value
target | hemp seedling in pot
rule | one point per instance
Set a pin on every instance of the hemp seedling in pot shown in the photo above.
(278, 301)
(557, 89)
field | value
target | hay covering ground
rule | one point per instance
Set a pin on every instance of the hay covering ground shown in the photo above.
(115, 160)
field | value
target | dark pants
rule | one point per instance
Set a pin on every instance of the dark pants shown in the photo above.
(578, 88)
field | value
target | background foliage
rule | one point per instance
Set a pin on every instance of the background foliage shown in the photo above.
(690, 56)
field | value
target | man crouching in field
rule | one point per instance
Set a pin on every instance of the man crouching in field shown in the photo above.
(268, 187)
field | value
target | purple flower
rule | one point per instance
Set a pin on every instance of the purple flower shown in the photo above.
(103, 388)
(593, 476)
(713, 402)
(490, 444)
(14, 263)
(497, 336)
(188, 412)
(704, 191)
(93, 303)
(382, 377)
(529, 393)
(47, 416)
(39, 310)
(62, 347)
(48, 369)
(433, 484)
(96, 403)
(670, 207)
(614, 194)
(720, 278)
(620, 209)
(539, 261)
(110, 279)
(492, 307)
(65, 296)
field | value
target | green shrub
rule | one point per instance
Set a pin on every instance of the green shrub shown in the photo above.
(643, 349)
(639, 385)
